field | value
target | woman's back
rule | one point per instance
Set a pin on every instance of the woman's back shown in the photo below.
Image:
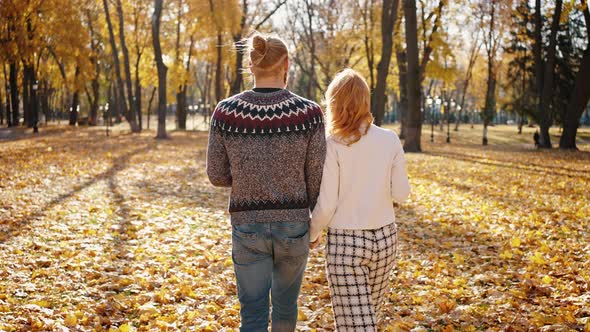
(371, 172)
(365, 165)
(366, 183)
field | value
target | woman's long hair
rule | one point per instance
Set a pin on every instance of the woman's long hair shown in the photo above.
(348, 107)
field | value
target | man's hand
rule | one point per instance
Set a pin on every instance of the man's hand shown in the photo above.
(314, 244)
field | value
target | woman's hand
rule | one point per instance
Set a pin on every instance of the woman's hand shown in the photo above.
(314, 244)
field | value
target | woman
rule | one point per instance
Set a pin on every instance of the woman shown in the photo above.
(269, 146)
(364, 170)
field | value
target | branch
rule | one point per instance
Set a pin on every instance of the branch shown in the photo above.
(322, 65)
(59, 64)
(428, 49)
(308, 73)
(586, 13)
(90, 99)
(350, 53)
(272, 12)
(356, 62)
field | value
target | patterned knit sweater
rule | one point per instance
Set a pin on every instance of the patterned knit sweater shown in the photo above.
(270, 149)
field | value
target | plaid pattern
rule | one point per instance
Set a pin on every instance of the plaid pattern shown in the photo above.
(359, 263)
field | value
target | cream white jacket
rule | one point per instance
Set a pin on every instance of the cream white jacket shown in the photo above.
(359, 183)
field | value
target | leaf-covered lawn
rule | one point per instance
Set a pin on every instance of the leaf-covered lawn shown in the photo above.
(126, 233)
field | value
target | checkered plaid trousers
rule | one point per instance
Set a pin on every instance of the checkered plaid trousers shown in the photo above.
(359, 263)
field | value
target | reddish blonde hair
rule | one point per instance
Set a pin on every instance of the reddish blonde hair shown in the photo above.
(267, 53)
(348, 106)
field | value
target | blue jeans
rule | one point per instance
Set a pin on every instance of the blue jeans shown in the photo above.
(269, 257)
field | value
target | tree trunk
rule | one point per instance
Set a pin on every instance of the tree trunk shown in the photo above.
(368, 27)
(94, 45)
(402, 65)
(121, 88)
(181, 95)
(26, 96)
(490, 102)
(93, 118)
(236, 85)
(45, 100)
(117, 104)
(521, 113)
(138, 105)
(443, 108)
(461, 105)
(162, 69)
(75, 99)
(74, 110)
(181, 108)
(149, 108)
(414, 123)
(538, 50)
(3, 109)
(34, 102)
(312, 80)
(108, 114)
(207, 96)
(472, 59)
(545, 117)
(132, 111)
(388, 17)
(8, 112)
(181, 105)
(576, 105)
(2, 112)
(14, 94)
(28, 81)
(580, 96)
(428, 45)
(138, 93)
(218, 70)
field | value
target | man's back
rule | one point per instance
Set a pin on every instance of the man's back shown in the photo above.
(269, 147)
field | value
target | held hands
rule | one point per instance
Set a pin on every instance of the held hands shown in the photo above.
(314, 244)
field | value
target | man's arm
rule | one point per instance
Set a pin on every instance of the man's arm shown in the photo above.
(328, 199)
(218, 166)
(314, 164)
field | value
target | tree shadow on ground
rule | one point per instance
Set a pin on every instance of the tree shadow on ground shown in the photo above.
(120, 249)
(437, 237)
(190, 187)
(514, 164)
(20, 133)
(426, 263)
(19, 226)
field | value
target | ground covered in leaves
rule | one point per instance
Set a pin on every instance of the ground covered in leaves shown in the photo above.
(125, 233)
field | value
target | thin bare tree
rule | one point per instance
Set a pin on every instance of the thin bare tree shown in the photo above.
(388, 18)
(414, 120)
(162, 69)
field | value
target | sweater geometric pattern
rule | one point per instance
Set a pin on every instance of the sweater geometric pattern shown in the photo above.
(251, 114)
(270, 149)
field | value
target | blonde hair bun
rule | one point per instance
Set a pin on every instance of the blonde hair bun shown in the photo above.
(259, 45)
(267, 53)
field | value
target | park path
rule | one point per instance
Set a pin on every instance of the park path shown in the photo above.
(119, 232)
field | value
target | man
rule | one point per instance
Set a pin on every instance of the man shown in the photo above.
(269, 146)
